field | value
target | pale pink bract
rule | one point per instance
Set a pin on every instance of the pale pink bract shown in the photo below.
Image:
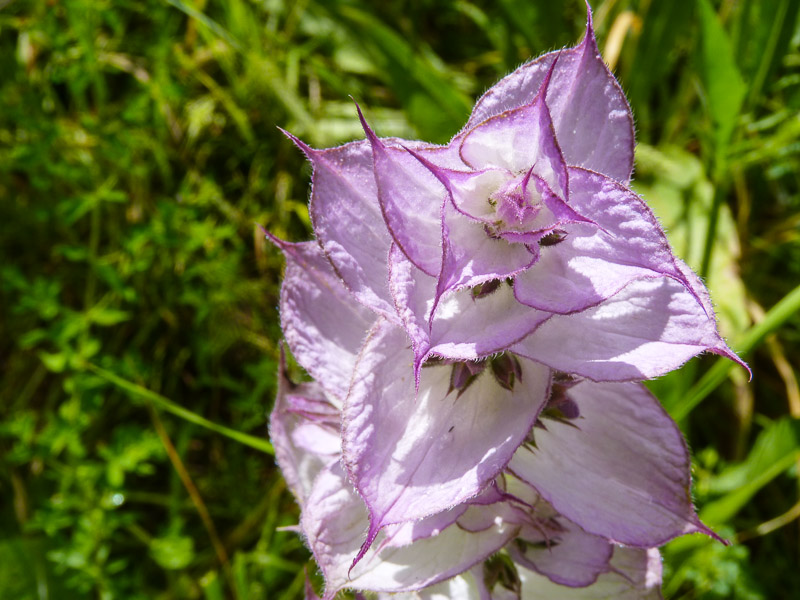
(475, 317)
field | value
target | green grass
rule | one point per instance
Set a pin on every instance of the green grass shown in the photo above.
(138, 301)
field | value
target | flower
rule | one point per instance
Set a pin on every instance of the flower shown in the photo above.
(528, 202)
(475, 317)
(402, 489)
(453, 554)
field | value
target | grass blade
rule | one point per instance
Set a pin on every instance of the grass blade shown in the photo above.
(168, 405)
(776, 317)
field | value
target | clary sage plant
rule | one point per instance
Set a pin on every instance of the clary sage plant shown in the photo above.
(476, 317)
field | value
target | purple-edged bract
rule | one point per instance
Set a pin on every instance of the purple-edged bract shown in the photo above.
(476, 317)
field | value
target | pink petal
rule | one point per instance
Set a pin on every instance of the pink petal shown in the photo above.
(463, 327)
(408, 532)
(300, 465)
(591, 116)
(472, 257)
(411, 455)
(701, 293)
(347, 220)
(466, 328)
(322, 323)
(479, 518)
(414, 295)
(636, 576)
(333, 520)
(620, 471)
(411, 199)
(568, 557)
(469, 191)
(461, 587)
(517, 140)
(490, 504)
(649, 328)
(594, 262)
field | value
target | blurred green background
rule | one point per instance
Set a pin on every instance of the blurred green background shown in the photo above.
(138, 300)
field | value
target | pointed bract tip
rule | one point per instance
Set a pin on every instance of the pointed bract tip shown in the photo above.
(281, 244)
(289, 249)
(526, 180)
(589, 19)
(373, 139)
(434, 170)
(371, 535)
(728, 353)
(420, 356)
(744, 365)
(418, 362)
(589, 39)
(700, 527)
(425, 162)
(307, 150)
(545, 85)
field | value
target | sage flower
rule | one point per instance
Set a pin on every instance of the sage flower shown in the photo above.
(520, 234)
(404, 488)
(475, 317)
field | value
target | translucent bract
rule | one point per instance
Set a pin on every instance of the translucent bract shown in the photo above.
(476, 317)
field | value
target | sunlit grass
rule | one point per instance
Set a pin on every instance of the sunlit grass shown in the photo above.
(139, 329)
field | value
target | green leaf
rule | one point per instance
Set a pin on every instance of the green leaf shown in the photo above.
(212, 586)
(762, 34)
(777, 449)
(240, 578)
(656, 50)
(55, 362)
(433, 103)
(714, 571)
(106, 317)
(173, 552)
(723, 84)
(780, 439)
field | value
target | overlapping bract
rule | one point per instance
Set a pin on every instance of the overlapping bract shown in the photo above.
(474, 317)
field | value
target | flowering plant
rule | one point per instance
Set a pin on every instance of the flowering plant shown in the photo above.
(475, 316)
